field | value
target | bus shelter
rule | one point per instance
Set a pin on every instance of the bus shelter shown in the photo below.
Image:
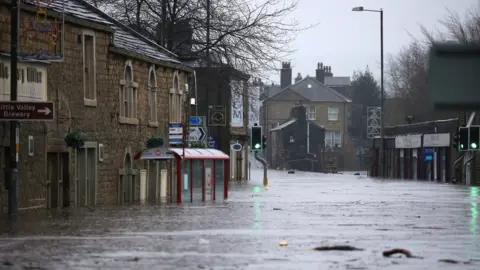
(195, 174)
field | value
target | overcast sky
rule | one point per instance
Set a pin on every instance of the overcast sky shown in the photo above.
(348, 41)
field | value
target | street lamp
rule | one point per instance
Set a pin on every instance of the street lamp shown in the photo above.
(381, 156)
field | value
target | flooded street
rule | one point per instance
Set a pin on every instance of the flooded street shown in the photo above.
(307, 210)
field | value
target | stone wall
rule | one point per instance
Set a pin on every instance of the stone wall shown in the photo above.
(100, 123)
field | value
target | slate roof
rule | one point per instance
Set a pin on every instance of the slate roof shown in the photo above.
(337, 81)
(123, 38)
(291, 121)
(313, 90)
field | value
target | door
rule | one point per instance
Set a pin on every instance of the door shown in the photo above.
(86, 176)
(153, 187)
(58, 184)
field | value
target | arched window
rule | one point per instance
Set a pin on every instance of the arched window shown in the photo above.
(128, 93)
(152, 95)
(176, 105)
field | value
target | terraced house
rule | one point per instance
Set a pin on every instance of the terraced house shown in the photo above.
(110, 83)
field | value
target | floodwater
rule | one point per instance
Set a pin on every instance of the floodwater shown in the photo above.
(307, 210)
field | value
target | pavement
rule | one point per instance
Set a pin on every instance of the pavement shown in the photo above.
(437, 223)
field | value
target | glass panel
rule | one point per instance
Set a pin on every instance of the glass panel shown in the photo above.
(208, 180)
(219, 180)
(185, 181)
(197, 180)
(174, 180)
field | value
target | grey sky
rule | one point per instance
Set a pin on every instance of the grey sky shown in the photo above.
(348, 40)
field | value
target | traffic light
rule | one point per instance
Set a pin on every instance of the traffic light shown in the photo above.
(463, 134)
(264, 142)
(474, 138)
(456, 141)
(256, 138)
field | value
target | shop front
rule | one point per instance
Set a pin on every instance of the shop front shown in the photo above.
(436, 148)
(407, 147)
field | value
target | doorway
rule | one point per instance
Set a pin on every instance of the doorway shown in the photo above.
(86, 176)
(58, 182)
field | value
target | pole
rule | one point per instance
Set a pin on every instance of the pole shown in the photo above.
(261, 160)
(265, 120)
(382, 125)
(14, 134)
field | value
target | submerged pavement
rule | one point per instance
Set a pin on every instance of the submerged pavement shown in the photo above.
(306, 210)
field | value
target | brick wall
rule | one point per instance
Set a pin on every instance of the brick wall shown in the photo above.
(100, 123)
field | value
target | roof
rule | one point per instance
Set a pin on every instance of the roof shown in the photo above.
(200, 153)
(286, 124)
(337, 81)
(291, 121)
(190, 153)
(124, 37)
(313, 90)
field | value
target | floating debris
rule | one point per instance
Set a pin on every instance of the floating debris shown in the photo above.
(405, 252)
(283, 243)
(341, 248)
(453, 261)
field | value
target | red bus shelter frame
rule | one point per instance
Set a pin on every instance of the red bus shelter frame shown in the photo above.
(190, 154)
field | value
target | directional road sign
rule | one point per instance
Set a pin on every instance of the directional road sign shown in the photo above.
(196, 134)
(195, 120)
(27, 111)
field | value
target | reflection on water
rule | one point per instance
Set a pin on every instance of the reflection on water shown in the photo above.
(256, 221)
(473, 209)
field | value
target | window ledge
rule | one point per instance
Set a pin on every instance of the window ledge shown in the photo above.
(153, 124)
(90, 102)
(128, 121)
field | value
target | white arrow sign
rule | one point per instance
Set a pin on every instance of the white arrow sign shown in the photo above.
(45, 111)
(196, 134)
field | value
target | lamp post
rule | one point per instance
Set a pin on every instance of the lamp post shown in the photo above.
(381, 156)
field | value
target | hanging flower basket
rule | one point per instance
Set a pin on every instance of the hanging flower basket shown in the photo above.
(197, 145)
(75, 139)
(154, 141)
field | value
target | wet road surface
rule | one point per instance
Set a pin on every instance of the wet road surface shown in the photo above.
(434, 221)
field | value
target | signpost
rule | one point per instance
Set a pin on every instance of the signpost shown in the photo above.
(197, 134)
(175, 133)
(26, 111)
(427, 154)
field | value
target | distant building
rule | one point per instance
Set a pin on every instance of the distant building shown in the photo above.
(325, 106)
(296, 143)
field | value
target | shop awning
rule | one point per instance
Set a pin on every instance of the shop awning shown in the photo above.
(159, 153)
(200, 153)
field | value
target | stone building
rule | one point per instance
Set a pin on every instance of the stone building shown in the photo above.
(326, 107)
(114, 85)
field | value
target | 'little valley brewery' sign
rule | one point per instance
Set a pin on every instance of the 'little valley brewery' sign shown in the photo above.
(26, 111)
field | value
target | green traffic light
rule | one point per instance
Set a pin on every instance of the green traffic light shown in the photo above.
(473, 145)
(257, 146)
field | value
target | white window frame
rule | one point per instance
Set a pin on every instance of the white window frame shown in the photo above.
(128, 88)
(332, 114)
(312, 114)
(331, 137)
(88, 101)
(152, 97)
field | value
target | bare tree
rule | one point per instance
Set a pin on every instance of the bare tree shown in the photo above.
(407, 71)
(251, 36)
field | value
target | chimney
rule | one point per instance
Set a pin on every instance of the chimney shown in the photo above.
(285, 75)
(298, 78)
(328, 71)
(320, 73)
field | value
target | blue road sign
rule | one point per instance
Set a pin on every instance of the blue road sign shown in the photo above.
(195, 120)
(428, 154)
(175, 133)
